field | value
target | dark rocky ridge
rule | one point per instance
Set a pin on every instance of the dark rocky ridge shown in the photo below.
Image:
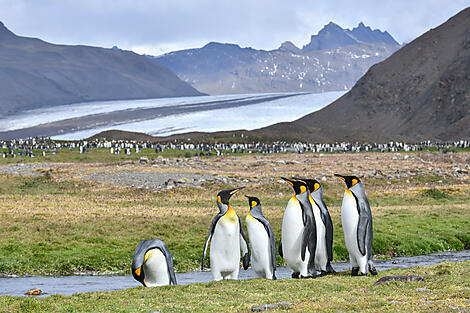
(34, 74)
(420, 92)
(334, 60)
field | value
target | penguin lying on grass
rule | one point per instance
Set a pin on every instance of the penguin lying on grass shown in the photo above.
(227, 239)
(153, 264)
(356, 218)
(262, 241)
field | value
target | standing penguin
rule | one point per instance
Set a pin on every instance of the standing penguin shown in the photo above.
(298, 234)
(262, 241)
(227, 240)
(356, 218)
(153, 264)
(324, 251)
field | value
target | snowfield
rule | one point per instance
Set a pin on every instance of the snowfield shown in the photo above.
(237, 116)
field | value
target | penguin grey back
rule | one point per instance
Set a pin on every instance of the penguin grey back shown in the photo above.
(257, 212)
(139, 255)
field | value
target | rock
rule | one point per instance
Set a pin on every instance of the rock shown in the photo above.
(265, 307)
(403, 278)
(34, 292)
(422, 289)
(468, 301)
(428, 302)
(143, 160)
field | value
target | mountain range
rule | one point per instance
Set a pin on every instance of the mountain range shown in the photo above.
(35, 74)
(419, 93)
(333, 60)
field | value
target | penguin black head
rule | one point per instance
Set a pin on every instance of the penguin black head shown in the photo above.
(253, 201)
(224, 196)
(299, 185)
(312, 184)
(349, 180)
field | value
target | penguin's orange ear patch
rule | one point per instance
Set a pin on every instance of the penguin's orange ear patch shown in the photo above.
(316, 187)
(253, 204)
(302, 189)
(354, 181)
(219, 199)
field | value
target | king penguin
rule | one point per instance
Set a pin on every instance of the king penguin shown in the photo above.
(262, 241)
(153, 264)
(227, 239)
(324, 251)
(298, 234)
(356, 218)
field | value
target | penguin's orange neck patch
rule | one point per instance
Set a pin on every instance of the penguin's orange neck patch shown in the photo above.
(348, 191)
(231, 215)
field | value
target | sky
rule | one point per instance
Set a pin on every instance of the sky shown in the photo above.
(159, 26)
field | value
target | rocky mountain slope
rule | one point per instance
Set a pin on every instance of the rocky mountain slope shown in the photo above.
(421, 92)
(34, 74)
(334, 60)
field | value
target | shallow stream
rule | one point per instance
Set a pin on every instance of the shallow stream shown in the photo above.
(67, 285)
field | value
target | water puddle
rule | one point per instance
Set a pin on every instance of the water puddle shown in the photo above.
(67, 285)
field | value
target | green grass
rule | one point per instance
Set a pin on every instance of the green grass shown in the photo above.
(446, 289)
(54, 227)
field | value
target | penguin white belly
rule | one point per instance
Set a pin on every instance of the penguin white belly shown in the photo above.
(350, 220)
(156, 269)
(225, 247)
(260, 248)
(321, 255)
(291, 237)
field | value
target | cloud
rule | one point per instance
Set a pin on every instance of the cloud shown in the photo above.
(156, 26)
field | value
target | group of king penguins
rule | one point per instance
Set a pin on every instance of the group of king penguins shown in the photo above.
(306, 238)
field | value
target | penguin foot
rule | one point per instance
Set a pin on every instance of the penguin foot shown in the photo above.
(363, 274)
(307, 277)
(372, 270)
(323, 273)
(355, 271)
(274, 277)
(330, 268)
(295, 275)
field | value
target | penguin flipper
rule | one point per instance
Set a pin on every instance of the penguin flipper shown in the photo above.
(209, 235)
(305, 240)
(329, 237)
(244, 247)
(364, 229)
(169, 263)
(280, 249)
(326, 218)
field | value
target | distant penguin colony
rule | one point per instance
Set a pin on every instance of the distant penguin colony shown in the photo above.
(306, 243)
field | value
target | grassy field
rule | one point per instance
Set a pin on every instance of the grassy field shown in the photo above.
(57, 223)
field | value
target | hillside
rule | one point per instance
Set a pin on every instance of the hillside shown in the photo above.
(421, 92)
(334, 60)
(34, 74)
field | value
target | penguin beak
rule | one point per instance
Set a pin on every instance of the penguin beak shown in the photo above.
(288, 180)
(234, 191)
(340, 176)
(299, 179)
